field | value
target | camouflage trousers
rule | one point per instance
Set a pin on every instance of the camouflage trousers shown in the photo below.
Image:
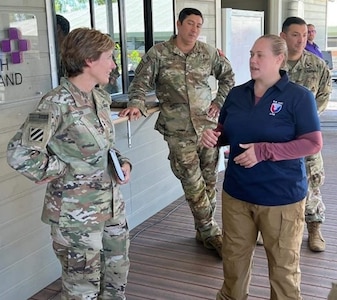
(94, 259)
(314, 207)
(196, 168)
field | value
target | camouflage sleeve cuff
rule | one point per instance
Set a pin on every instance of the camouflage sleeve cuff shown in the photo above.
(56, 167)
(218, 101)
(140, 104)
(123, 159)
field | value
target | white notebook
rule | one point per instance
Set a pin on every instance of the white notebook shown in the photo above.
(116, 164)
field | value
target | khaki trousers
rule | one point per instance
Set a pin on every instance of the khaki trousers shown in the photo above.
(282, 230)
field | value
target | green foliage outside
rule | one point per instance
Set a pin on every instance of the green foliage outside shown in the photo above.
(134, 57)
(62, 6)
(73, 5)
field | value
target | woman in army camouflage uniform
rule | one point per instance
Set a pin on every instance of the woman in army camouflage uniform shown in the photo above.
(65, 143)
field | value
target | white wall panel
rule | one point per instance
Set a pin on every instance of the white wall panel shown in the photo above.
(27, 262)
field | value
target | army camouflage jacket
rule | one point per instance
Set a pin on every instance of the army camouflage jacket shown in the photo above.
(182, 86)
(66, 139)
(313, 73)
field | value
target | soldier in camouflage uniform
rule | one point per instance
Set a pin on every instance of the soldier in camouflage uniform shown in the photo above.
(113, 87)
(179, 70)
(65, 143)
(312, 72)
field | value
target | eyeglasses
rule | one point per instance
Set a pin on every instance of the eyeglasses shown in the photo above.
(312, 31)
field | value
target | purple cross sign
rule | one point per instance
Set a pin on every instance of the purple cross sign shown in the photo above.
(14, 34)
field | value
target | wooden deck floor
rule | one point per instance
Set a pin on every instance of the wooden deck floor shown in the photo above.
(168, 264)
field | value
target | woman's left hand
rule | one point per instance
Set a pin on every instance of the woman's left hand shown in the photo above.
(248, 158)
(127, 174)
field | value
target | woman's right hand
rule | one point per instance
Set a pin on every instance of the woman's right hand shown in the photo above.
(209, 138)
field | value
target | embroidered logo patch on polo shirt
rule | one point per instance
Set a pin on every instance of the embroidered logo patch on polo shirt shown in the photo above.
(275, 107)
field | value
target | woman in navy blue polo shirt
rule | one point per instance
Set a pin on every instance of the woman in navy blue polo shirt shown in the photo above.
(270, 124)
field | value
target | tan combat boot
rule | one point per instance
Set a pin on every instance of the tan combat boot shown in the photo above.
(213, 242)
(315, 238)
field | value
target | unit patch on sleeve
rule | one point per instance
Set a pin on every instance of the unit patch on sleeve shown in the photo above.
(36, 130)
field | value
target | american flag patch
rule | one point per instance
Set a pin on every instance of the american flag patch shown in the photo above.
(38, 117)
(36, 134)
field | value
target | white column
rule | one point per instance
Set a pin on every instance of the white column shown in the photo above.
(275, 17)
(296, 8)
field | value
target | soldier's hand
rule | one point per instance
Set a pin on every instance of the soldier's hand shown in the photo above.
(133, 112)
(213, 111)
(209, 138)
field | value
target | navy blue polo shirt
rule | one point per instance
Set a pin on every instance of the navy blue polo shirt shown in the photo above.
(285, 111)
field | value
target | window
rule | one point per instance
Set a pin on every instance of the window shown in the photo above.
(134, 16)
(163, 20)
(128, 22)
